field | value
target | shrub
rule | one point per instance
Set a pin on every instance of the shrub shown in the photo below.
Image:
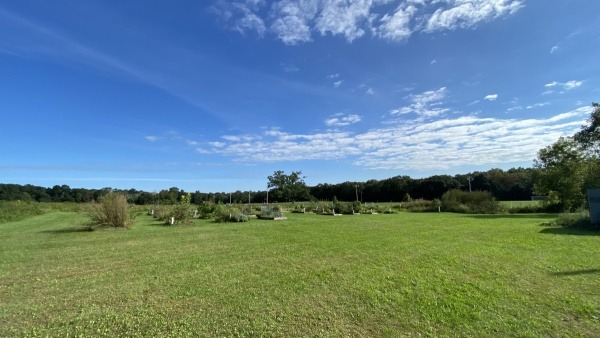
(112, 211)
(209, 209)
(479, 202)
(580, 220)
(230, 214)
(271, 212)
(421, 205)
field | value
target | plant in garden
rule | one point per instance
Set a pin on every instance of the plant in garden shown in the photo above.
(230, 214)
(181, 213)
(112, 211)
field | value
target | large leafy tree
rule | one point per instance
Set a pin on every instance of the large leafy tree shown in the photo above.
(562, 173)
(570, 166)
(288, 188)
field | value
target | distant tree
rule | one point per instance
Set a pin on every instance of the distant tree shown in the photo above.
(288, 188)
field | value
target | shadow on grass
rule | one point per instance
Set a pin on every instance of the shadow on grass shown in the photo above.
(511, 216)
(575, 272)
(67, 230)
(569, 231)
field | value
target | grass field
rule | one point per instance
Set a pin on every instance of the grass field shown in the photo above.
(405, 274)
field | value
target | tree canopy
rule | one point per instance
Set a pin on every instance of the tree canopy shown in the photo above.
(288, 188)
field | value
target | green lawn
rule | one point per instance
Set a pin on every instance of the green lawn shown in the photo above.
(404, 274)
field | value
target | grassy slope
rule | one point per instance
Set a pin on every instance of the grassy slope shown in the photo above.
(364, 275)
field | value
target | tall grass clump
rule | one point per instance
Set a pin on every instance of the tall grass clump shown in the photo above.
(11, 211)
(476, 202)
(579, 220)
(112, 211)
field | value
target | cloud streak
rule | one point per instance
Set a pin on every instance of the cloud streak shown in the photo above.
(438, 144)
(295, 21)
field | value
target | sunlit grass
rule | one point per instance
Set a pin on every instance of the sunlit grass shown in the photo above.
(364, 275)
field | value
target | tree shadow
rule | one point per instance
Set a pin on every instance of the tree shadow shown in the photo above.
(569, 231)
(511, 216)
(67, 230)
(575, 272)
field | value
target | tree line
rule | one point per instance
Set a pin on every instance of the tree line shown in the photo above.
(513, 184)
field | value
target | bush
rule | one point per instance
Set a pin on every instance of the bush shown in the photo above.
(476, 202)
(230, 214)
(209, 209)
(421, 205)
(580, 220)
(112, 211)
(271, 212)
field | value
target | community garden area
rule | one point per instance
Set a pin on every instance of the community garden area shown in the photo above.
(382, 274)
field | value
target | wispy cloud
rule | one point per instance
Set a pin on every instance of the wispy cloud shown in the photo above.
(536, 105)
(337, 84)
(437, 144)
(425, 104)
(564, 85)
(342, 119)
(491, 97)
(467, 14)
(370, 91)
(294, 21)
(554, 49)
(152, 138)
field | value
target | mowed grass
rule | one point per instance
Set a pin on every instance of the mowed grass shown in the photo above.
(403, 274)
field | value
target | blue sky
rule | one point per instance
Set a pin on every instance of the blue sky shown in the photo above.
(217, 95)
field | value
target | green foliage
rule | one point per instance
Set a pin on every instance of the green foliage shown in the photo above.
(562, 171)
(182, 212)
(580, 220)
(476, 202)
(112, 211)
(230, 214)
(208, 209)
(271, 212)
(288, 188)
(420, 205)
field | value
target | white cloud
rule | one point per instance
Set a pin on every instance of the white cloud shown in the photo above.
(370, 91)
(396, 27)
(337, 84)
(152, 138)
(536, 105)
(424, 104)
(241, 14)
(491, 97)
(433, 62)
(294, 21)
(564, 85)
(291, 23)
(341, 119)
(554, 49)
(333, 76)
(572, 84)
(468, 13)
(437, 144)
(290, 68)
(342, 17)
